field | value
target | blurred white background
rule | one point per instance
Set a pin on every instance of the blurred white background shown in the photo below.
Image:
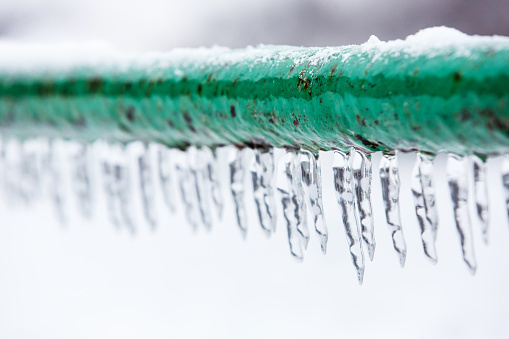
(90, 280)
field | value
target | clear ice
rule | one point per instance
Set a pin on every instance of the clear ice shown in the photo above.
(165, 177)
(481, 194)
(262, 174)
(187, 188)
(199, 165)
(361, 175)
(389, 177)
(215, 185)
(292, 206)
(55, 175)
(312, 183)
(147, 187)
(80, 160)
(424, 200)
(458, 185)
(343, 187)
(237, 175)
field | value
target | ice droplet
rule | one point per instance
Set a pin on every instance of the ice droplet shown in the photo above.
(165, 177)
(481, 194)
(80, 161)
(147, 187)
(117, 186)
(292, 208)
(389, 177)
(199, 161)
(424, 199)
(215, 185)
(361, 174)
(187, 187)
(458, 185)
(345, 196)
(262, 174)
(237, 175)
(312, 180)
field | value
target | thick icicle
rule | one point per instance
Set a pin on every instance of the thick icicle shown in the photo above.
(302, 226)
(389, 177)
(262, 174)
(187, 188)
(458, 184)
(292, 209)
(147, 187)
(198, 164)
(361, 175)
(312, 183)
(424, 199)
(345, 196)
(81, 179)
(165, 177)
(215, 185)
(481, 194)
(237, 175)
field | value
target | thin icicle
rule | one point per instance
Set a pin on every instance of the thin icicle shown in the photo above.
(424, 199)
(458, 184)
(55, 182)
(389, 177)
(361, 175)
(165, 177)
(302, 226)
(198, 164)
(237, 175)
(112, 202)
(312, 180)
(345, 196)
(292, 209)
(81, 179)
(262, 174)
(481, 194)
(147, 187)
(187, 188)
(215, 185)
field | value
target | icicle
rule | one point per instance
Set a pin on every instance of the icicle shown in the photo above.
(312, 180)
(118, 187)
(389, 177)
(199, 163)
(187, 188)
(55, 182)
(165, 177)
(292, 209)
(215, 185)
(346, 199)
(361, 175)
(481, 194)
(147, 187)
(237, 174)
(302, 226)
(458, 184)
(262, 173)
(424, 199)
(81, 179)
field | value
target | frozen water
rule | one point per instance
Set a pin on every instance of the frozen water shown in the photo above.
(262, 173)
(187, 187)
(389, 177)
(199, 165)
(81, 161)
(237, 175)
(481, 194)
(215, 185)
(147, 187)
(165, 177)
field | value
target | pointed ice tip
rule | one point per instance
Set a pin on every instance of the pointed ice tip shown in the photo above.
(360, 277)
(371, 252)
(323, 243)
(402, 259)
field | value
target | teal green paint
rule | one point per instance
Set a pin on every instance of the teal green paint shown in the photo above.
(443, 101)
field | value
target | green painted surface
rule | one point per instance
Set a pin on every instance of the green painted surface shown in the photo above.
(280, 96)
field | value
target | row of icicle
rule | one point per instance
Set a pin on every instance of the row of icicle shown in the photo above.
(195, 173)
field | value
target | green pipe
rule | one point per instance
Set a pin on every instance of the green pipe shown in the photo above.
(378, 96)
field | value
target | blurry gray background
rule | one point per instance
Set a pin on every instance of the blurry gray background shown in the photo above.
(160, 25)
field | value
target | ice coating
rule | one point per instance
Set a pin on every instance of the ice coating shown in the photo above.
(345, 196)
(215, 185)
(292, 207)
(81, 160)
(164, 168)
(237, 175)
(458, 185)
(481, 194)
(262, 174)
(312, 183)
(116, 180)
(424, 200)
(147, 187)
(389, 178)
(360, 165)
(198, 165)
(187, 188)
